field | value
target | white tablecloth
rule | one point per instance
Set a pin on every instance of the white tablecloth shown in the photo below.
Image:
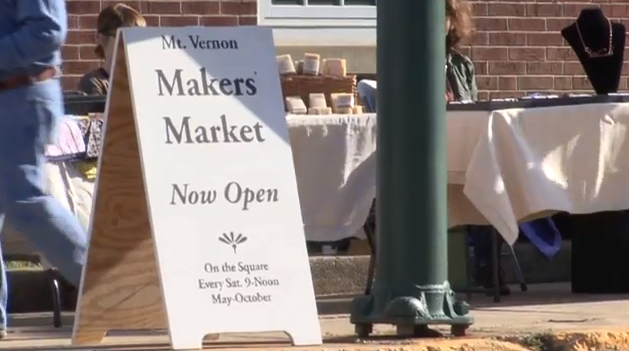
(334, 178)
(504, 166)
(529, 162)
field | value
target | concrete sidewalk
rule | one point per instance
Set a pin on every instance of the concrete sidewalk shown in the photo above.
(545, 316)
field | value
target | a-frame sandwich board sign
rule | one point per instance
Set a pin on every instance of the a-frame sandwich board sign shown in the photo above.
(196, 225)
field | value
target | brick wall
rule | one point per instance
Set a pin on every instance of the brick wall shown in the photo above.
(518, 47)
(78, 52)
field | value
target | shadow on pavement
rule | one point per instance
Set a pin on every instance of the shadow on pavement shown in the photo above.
(540, 294)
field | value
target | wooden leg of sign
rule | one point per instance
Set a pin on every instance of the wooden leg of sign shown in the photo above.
(301, 337)
(89, 337)
(120, 288)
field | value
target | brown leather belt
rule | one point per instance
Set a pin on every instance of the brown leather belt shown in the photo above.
(22, 80)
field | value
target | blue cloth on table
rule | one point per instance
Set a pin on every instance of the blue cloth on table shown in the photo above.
(544, 235)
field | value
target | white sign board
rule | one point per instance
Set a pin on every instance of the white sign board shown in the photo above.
(220, 183)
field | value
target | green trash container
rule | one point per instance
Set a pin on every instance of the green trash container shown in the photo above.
(458, 258)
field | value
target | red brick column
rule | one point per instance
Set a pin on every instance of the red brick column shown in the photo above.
(518, 46)
(78, 53)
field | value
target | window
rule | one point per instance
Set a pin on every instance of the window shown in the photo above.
(343, 23)
(359, 10)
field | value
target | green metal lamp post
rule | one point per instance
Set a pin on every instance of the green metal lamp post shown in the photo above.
(411, 290)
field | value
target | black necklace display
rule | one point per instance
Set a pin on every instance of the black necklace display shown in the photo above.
(600, 45)
(602, 52)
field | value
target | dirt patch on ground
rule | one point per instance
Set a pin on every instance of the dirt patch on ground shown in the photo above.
(468, 345)
(574, 341)
(569, 341)
(445, 344)
(591, 341)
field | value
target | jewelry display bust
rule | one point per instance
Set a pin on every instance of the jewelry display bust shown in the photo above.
(600, 45)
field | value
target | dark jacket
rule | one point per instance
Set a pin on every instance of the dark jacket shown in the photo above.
(462, 70)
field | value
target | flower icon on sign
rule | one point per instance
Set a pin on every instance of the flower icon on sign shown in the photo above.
(232, 240)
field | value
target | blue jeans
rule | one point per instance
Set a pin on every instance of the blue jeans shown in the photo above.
(28, 119)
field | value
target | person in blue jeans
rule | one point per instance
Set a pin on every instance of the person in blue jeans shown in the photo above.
(31, 106)
(460, 86)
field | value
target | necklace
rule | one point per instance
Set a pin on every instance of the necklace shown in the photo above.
(603, 52)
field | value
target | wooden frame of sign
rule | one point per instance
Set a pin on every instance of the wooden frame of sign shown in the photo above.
(120, 285)
(129, 281)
